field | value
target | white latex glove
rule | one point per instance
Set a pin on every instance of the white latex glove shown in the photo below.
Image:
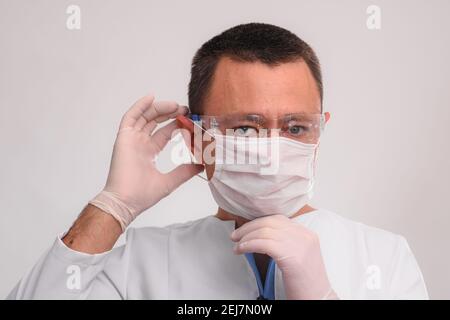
(296, 251)
(134, 184)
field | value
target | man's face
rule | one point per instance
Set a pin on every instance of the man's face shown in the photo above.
(256, 88)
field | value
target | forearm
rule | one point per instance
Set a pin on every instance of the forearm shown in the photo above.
(95, 231)
(74, 268)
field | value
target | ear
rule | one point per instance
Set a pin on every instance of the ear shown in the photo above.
(187, 131)
(327, 116)
(185, 123)
(188, 128)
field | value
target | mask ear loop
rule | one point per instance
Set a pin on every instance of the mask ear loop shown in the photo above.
(316, 154)
(190, 153)
(316, 151)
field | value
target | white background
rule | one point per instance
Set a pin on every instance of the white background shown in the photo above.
(384, 158)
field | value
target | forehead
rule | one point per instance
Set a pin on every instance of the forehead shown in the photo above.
(258, 88)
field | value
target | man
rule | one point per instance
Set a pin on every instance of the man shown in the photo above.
(265, 241)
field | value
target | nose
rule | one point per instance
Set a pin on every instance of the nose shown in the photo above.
(273, 127)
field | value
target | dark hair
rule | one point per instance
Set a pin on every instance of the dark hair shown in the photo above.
(249, 42)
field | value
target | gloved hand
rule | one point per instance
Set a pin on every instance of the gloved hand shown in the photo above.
(296, 251)
(134, 184)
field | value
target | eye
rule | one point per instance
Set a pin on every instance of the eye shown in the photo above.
(296, 130)
(245, 131)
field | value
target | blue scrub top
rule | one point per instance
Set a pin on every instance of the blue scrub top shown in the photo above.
(267, 291)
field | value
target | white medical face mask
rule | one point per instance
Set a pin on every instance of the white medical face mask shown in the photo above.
(280, 181)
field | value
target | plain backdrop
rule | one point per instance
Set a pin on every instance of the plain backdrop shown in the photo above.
(384, 157)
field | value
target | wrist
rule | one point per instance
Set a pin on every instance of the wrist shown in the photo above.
(111, 203)
(307, 286)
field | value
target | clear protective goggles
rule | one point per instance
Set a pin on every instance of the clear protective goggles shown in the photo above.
(302, 127)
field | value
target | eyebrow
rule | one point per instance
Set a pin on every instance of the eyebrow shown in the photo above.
(256, 116)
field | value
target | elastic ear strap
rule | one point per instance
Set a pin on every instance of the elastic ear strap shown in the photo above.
(198, 175)
(316, 156)
(201, 128)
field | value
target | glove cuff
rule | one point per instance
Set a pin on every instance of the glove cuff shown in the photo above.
(109, 202)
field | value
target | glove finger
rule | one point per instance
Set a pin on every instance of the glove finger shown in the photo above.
(164, 134)
(160, 111)
(181, 174)
(273, 221)
(136, 111)
(165, 110)
(149, 127)
(263, 246)
(261, 233)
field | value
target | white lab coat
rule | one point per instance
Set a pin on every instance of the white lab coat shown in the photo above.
(194, 260)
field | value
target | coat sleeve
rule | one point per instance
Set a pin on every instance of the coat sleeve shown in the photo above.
(62, 273)
(407, 281)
